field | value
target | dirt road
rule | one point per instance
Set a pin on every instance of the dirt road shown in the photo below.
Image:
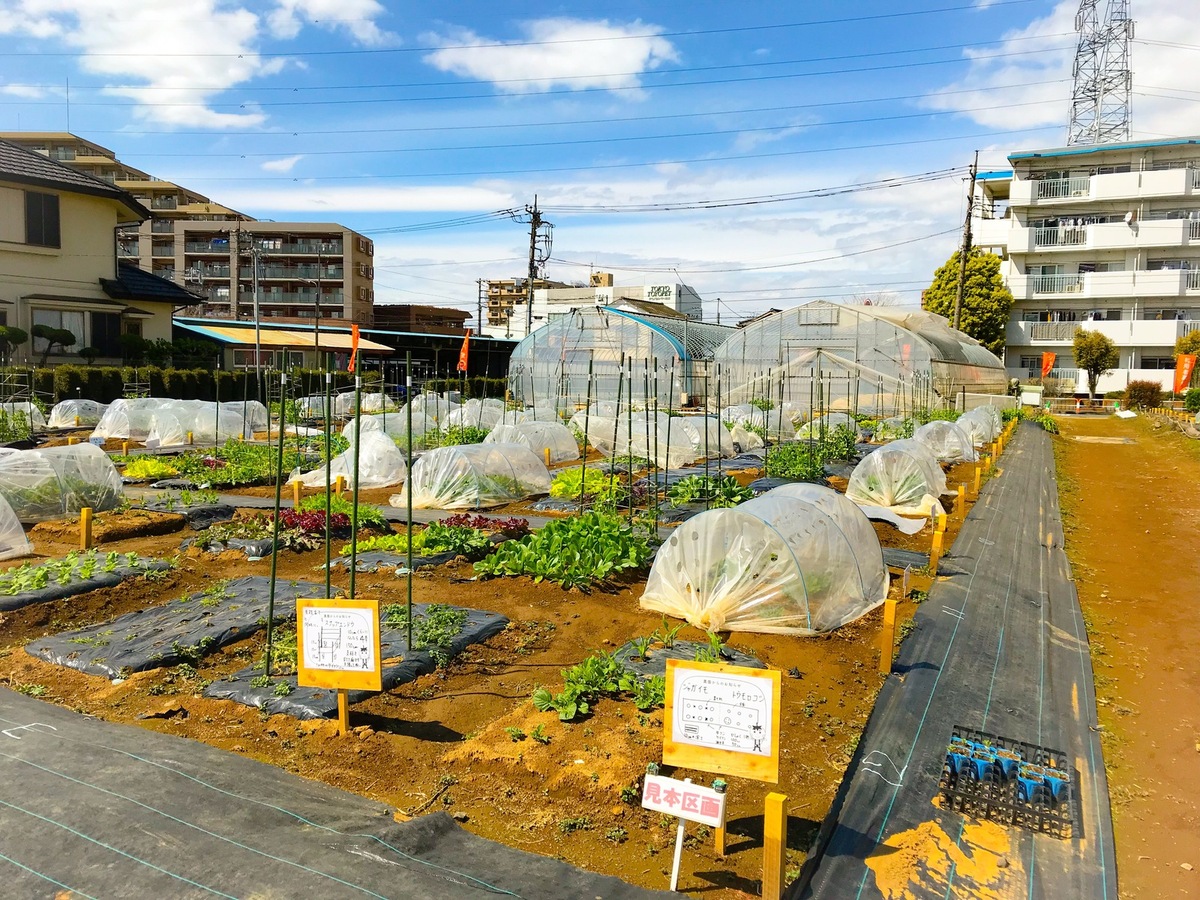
(1131, 506)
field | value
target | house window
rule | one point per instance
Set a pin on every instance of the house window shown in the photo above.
(106, 333)
(132, 326)
(1158, 362)
(41, 219)
(70, 320)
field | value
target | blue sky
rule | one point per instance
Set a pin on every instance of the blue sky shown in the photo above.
(388, 117)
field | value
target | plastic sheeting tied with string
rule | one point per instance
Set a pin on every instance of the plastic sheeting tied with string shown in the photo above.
(538, 437)
(946, 441)
(670, 441)
(902, 477)
(75, 413)
(56, 482)
(894, 428)
(798, 560)
(474, 476)
(380, 464)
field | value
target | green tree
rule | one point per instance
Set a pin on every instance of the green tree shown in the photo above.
(53, 337)
(1096, 355)
(90, 354)
(986, 301)
(10, 337)
(133, 348)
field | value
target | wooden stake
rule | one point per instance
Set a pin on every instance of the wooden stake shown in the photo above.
(125, 448)
(339, 485)
(191, 438)
(887, 638)
(71, 441)
(774, 845)
(85, 528)
(935, 553)
(941, 522)
(77, 421)
(343, 711)
(295, 495)
(960, 505)
(547, 449)
(978, 475)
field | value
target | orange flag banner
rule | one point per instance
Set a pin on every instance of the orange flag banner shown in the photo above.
(1185, 364)
(353, 348)
(462, 354)
(1047, 363)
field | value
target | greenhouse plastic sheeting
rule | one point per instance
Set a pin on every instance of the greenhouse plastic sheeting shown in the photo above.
(32, 414)
(893, 429)
(132, 418)
(372, 402)
(473, 476)
(380, 464)
(946, 441)
(775, 423)
(64, 413)
(170, 428)
(485, 414)
(59, 481)
(829, 423)
(902, 476)
(744, 440)
(979, 425)
(538, 437)
(671, 441)
(779, 564)
(13, 542)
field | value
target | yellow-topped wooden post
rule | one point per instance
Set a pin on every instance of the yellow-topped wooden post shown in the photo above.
(935, 552)
(978, 474)
(71, 441)
(191, 438)
(125, 448)
(547, 449)
(77, 421)
(295, 495)
(941, 522)
(85, 528)
(887, 637)
(774, 845)
(339, 485)
(960, 505)
(343, 711)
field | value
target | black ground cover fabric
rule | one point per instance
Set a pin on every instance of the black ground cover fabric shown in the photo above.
(374, 560)
(401, 665)
(55, 591)
(183, 630)
(654, 662)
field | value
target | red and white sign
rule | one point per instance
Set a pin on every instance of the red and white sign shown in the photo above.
(684, 800)
(1184, 364)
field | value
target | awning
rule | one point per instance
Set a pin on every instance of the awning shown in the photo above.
(293, 339)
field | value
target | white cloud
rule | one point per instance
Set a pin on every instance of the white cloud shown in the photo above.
(282, 165)
(355, 17)
(572, 52)
(28, 91)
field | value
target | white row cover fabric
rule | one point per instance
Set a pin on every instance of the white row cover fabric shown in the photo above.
(131, 419)
(744, 440)
(37, 421)
(538, 436)
(801, 559)
(893, 429)
(13, 540)
(671, 441)
(902, 476)
(777, 425)
(343, 404)
(169, 428)
(829, 423)
(534, 414)
(485, 414)
(474, 476)
(982, 424)
(946, 441)
(55, 482)
(64, 413)
(380, 464)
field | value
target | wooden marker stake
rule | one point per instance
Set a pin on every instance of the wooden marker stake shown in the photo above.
(960, 505)
(339, 485)
(295, 495)
(191, 438)
(941, 522)
(719, 833)
(774, 845)
(935, 553)
(125, 448)
(85, 528)
(547, 457)
(77, 421)
(887, 638)
(978, 474)
(343, 711)
(72, 441)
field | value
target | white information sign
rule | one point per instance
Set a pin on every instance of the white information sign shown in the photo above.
(338, 640)
(684, 800)
(723, 711)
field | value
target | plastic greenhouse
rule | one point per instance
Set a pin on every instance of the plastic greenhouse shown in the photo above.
(903, 477)
(538, 437)
(32, 414)
(825, 355)
(946, 441)
(801, 560)
(59, 481)
(474, 476)
(131, 419)
(380, 464)
(73, 413)
(631, 356)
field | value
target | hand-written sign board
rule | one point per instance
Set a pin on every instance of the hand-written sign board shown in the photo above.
(337, 644)
(722, 719)
(684, 800)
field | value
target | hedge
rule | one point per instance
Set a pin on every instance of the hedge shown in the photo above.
(475, 386)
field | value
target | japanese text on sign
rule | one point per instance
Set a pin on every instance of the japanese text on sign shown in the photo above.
(726, 712)
(683, 800)
(338, 639)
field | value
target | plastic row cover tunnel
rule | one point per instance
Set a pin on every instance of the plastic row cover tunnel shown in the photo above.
(671, 441)
(74, 413)
(474, 476)
(801, 559)
(26, 410)
(982, 424)
(133, 418)
(380, 464)
(58, 481)
(902, 476)
(538, 437)
(946, 441)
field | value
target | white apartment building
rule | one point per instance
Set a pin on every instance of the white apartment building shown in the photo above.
(1102, 237)
(507, 316)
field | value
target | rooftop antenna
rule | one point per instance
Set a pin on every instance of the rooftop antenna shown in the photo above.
(1101, 102)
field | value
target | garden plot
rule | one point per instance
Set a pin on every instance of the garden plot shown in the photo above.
(76, 573)
(183, 631)
(440, 633)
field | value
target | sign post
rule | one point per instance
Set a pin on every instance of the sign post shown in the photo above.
(687, 802)
(337, 646)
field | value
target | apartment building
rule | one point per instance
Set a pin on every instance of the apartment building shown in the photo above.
(508, 317)
(303, 267)
(1102, 237)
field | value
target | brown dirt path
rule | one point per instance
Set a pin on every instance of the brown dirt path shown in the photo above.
(1131, 505)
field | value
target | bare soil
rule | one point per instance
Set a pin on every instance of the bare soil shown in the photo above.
(1131, 501)
(442, 742)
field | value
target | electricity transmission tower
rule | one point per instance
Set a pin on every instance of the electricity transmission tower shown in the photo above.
(1101, 109)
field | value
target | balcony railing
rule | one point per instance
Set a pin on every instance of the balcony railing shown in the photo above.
(1052, 331)
(206, 247)
(163, 250)
(1193, 280)
(162, 226)
(1057, 284)
(164, 203)
(214, 271)
(1058, 188)
(293, 298)
(1059, 236)
(314, 272)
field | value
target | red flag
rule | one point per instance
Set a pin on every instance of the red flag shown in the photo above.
(1184, 364)
(462, 354)
(353, 348)
(1047, 363)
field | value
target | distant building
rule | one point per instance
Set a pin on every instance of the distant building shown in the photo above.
(1104, 237)
(58, 267)
(508, 314)
(194, 241)
(419, 319)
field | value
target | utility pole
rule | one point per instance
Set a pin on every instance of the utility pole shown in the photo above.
(966, 245)
(535, 222)
(479, 307)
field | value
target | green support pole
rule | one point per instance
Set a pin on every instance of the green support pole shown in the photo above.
(274, 547)
(354, 486)
(408, 486)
